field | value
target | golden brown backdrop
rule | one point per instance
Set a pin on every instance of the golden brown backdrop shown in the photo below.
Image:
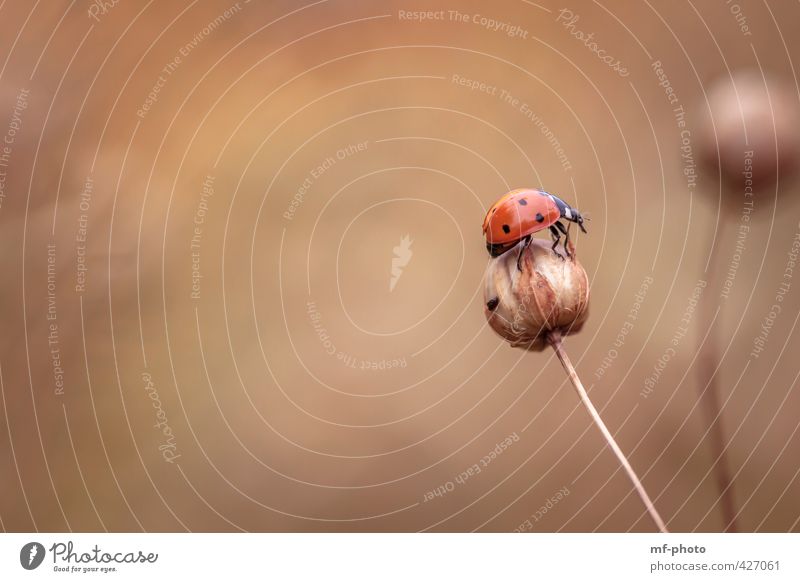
(242, 266)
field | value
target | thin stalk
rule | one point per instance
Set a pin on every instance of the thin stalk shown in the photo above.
(554, 338)
(709, 391)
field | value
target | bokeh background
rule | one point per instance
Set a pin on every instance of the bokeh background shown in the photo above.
(201, 205)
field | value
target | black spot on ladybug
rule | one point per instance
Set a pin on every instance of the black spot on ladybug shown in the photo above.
(539, 217)
(523, 202)
(507, 229)
(491, 305)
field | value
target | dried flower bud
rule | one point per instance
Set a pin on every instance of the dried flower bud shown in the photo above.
(550, 293)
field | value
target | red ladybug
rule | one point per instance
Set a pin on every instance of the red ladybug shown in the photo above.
(522, 212)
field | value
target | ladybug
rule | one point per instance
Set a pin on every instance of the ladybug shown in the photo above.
(522, 212)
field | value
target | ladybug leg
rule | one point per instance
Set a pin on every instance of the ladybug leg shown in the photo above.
(556, 240)
(525, 245)
(566, 239)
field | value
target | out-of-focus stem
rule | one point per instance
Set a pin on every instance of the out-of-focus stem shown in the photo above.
(554, 338)
(708, 390)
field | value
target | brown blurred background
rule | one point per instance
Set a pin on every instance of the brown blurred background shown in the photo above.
(201, 206)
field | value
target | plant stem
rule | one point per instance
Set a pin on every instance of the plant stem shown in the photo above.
(554, 338)
(708, 389)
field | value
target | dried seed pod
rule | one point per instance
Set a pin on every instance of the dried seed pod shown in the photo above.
(549, 293)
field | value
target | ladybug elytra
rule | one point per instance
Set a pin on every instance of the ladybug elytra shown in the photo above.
(523, 212)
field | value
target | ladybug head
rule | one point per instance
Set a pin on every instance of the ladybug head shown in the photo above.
(495, 250)
(579, 219)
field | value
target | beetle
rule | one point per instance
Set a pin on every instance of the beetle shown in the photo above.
(523, 212)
